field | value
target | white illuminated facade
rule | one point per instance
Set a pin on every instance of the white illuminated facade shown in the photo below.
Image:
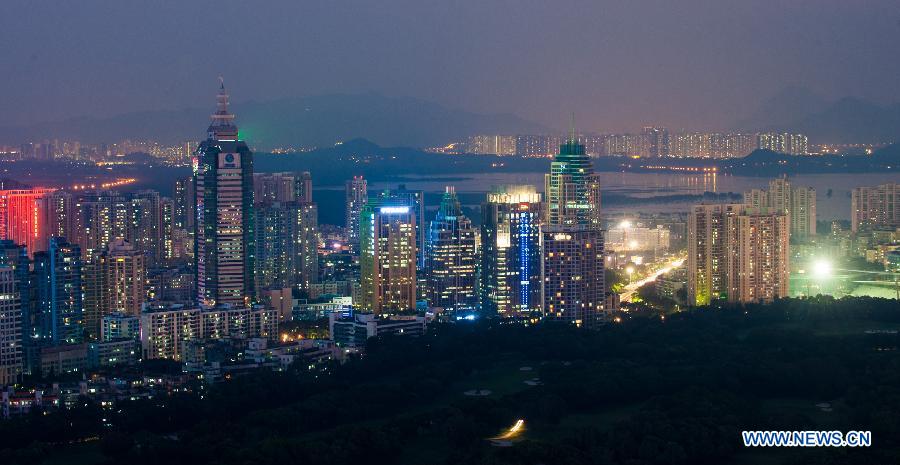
(387, 255)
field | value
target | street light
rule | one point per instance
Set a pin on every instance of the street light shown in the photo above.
(822, 268)
(630, 271)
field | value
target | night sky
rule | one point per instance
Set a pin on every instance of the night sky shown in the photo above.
(618, 64)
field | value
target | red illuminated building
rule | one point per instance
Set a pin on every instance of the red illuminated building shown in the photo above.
(21, 219)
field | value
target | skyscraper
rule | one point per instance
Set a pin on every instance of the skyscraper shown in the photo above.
(388, 254)
(416, 200)
(511, 284)
(875, 207)
(58, 315)
(10, 328)
(223, 238)
(574, 283)
(356, 196)
(451, 257)
(572, 188)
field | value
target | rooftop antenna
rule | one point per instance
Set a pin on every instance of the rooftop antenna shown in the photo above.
(572, 129)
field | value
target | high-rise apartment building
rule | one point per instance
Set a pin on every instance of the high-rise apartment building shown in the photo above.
(492, 145)
(573, 275)
(58, 317)
(282, 187)
(287, 242)
(170, 237)
(11, 353)
(799, 204)
(573, 267)
(654, 142)
(185, 205)
(114, 281)
(737, 254)
(58, 209)
(388, 254)
(707, 251)
(757, 255)
(451, 258)
(803, 213)
(356, 196)
(511, 282)
(125, 275)
(536, 145)
(223, 237)
(624, 144)
(712, 145)
(875, 207)
(793, 144)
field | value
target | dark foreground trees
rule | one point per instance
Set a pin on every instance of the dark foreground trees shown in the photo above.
(647, 391)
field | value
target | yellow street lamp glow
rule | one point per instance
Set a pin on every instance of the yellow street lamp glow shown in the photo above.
(629, 270)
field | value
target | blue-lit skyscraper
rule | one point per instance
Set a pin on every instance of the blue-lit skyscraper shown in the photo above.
(511, 285)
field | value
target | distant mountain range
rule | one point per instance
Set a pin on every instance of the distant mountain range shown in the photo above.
(316, 121)
(847, 120)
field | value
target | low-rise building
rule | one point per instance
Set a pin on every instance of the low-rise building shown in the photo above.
(165, 330)
(353, 331)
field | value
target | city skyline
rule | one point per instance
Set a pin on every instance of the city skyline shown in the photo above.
(368, 241)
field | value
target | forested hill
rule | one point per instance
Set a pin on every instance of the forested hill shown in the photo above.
(646, 391)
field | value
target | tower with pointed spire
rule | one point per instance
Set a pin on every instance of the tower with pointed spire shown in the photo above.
(573, 268)
(222, 127)
(223, 230)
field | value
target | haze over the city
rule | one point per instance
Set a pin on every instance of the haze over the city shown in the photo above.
(618, 65)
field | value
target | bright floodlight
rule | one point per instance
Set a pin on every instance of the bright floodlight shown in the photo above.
(625, 224)
(629, 270)
(822, 268)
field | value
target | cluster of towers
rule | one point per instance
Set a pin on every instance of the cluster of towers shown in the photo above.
(530, 260)
(84, 262)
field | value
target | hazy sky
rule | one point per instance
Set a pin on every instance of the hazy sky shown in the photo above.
(617, 64)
